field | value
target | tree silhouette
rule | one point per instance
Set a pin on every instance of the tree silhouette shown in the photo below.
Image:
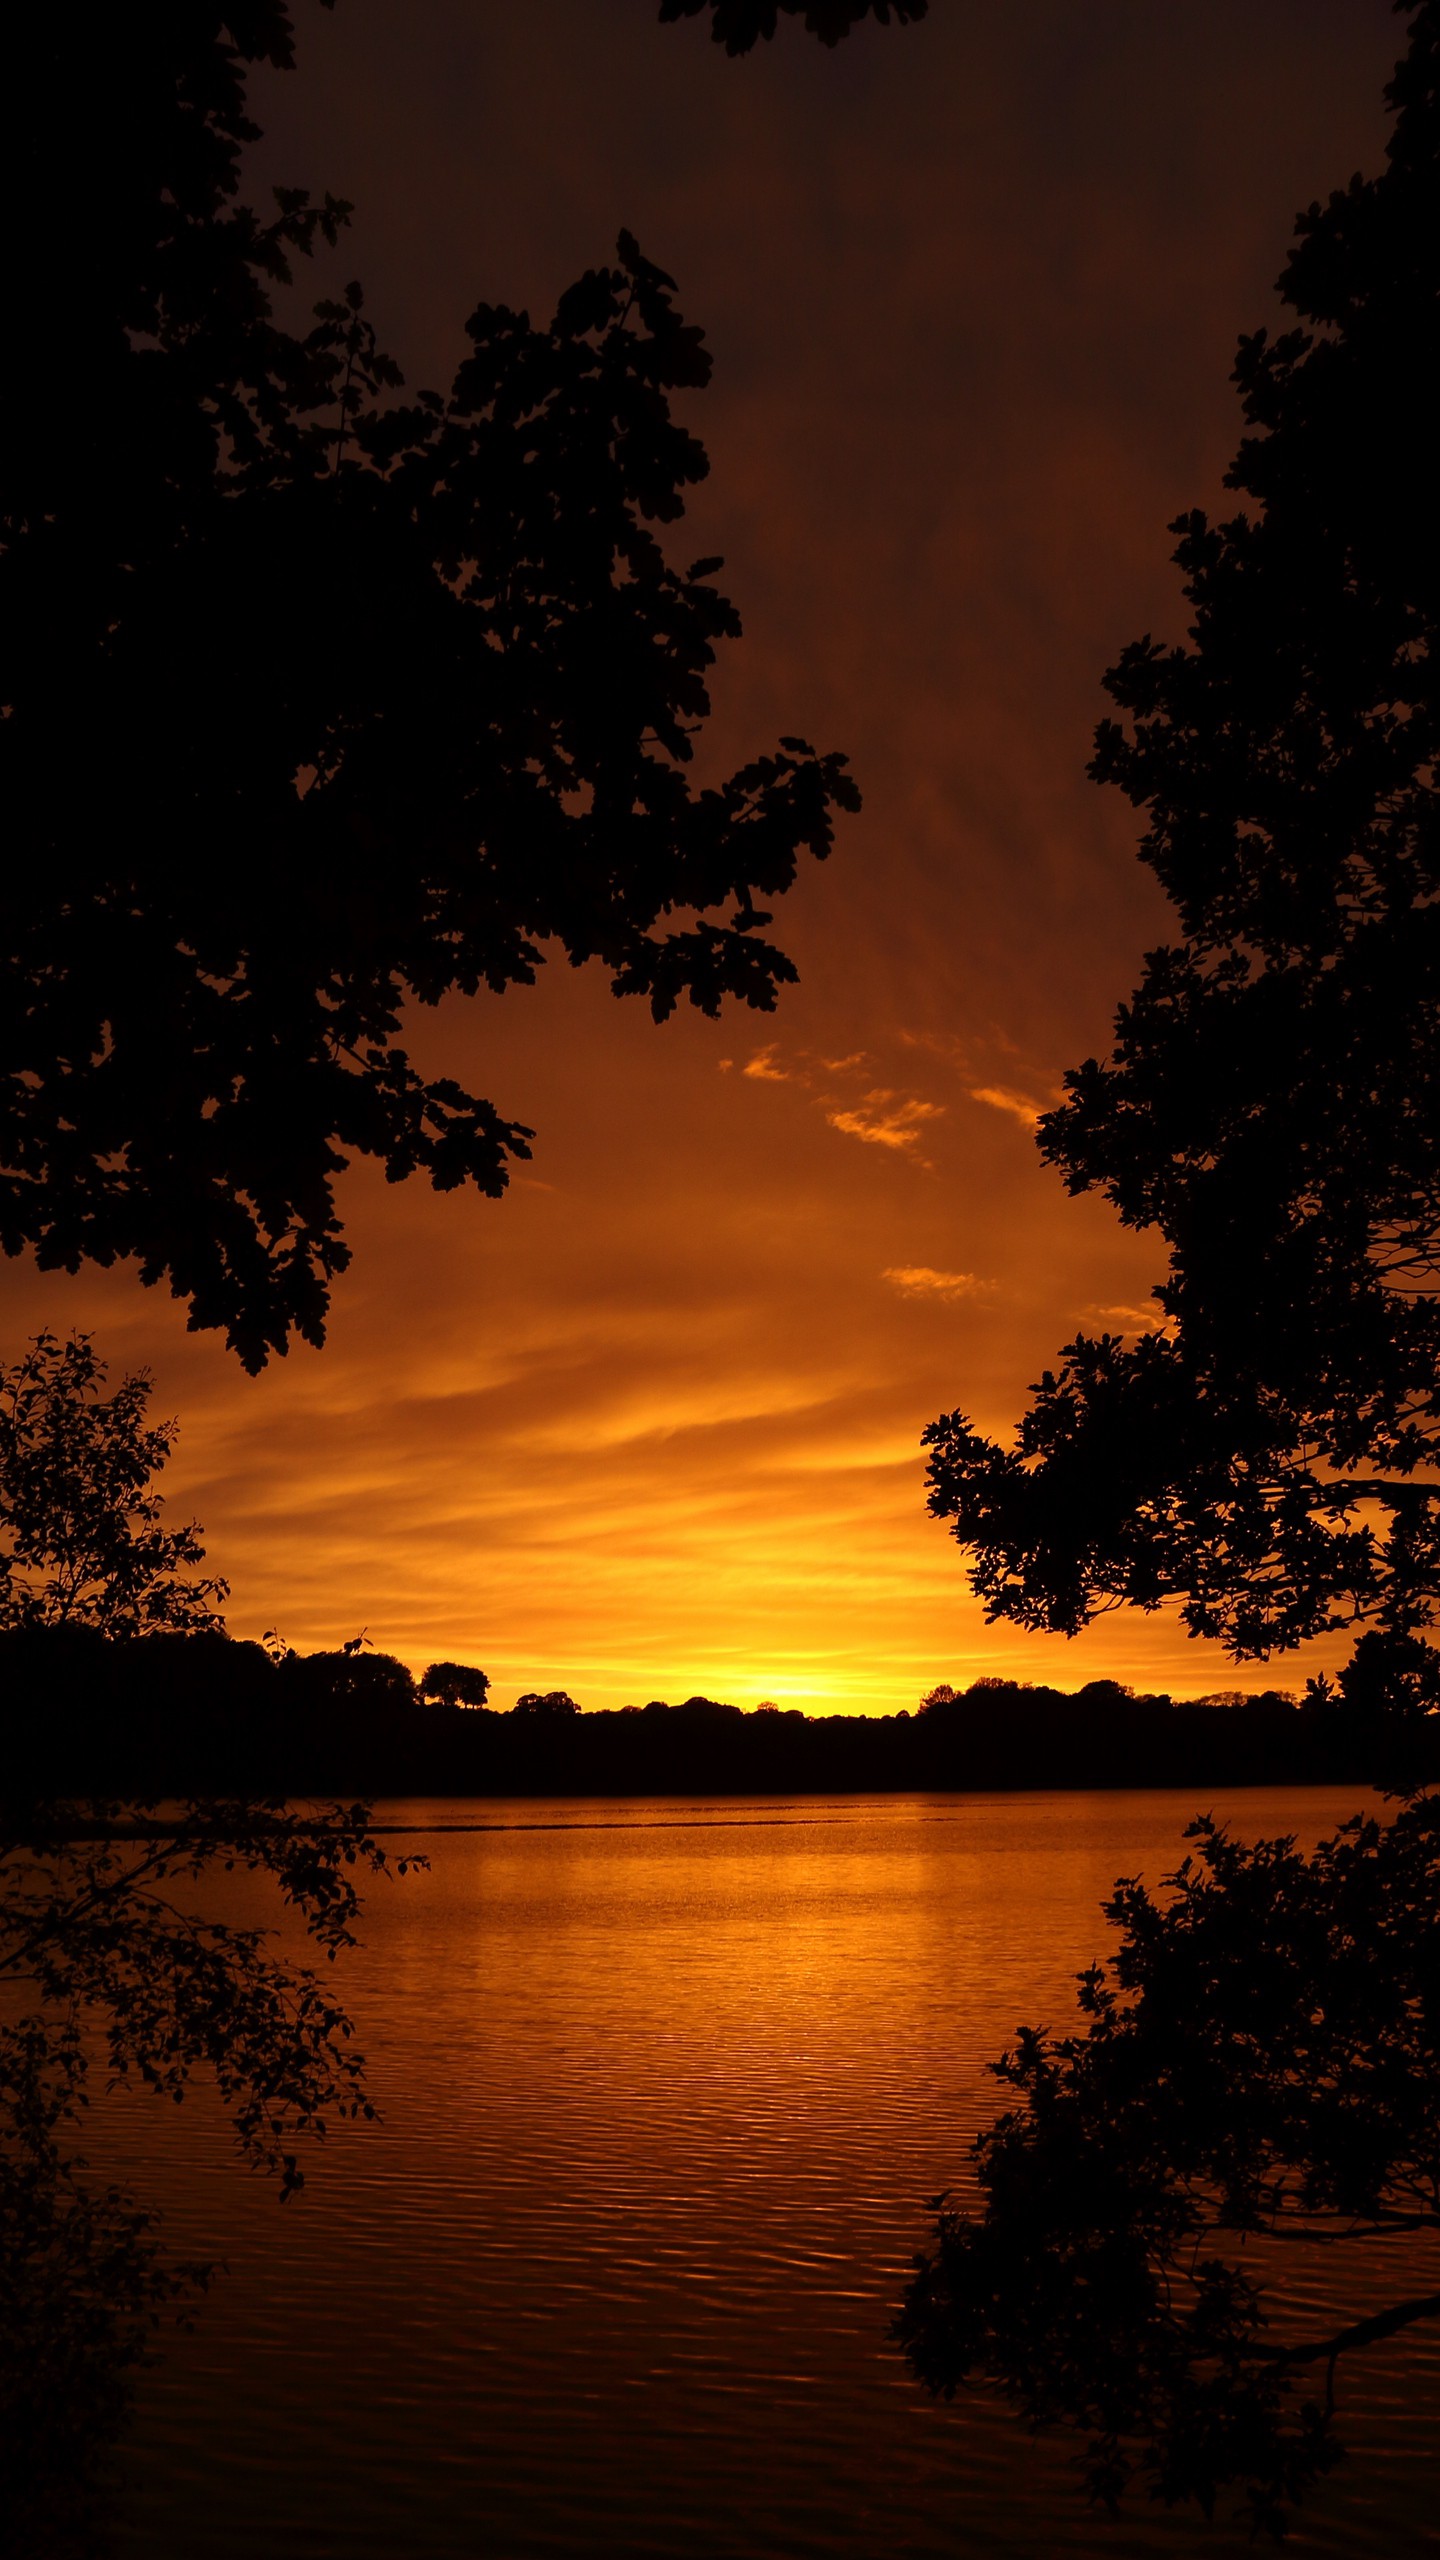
(1266, 1455)
(103, 1954)
(455, 1684)
(81, 1543)
(740, 24)
(1260, 2059)
(1260, 2066)
(314, 703)
(379, 699)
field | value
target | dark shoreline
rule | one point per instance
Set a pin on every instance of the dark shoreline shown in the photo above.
(166, 1717)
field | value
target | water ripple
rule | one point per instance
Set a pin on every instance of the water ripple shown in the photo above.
(664, 2089)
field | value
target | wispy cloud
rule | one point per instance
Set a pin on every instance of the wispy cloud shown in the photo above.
(763, 1067)
(1003, 1097)
(1151, 1319)
(885, 1119)
(883, 1116)
(918, 1280)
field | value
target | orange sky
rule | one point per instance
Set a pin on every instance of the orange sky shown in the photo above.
(650, 1425)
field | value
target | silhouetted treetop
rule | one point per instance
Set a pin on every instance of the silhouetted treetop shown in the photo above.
(455, 1684)
(81, 1540)
(349, 1679)
(554, 1705)
(1266, 1455)
(937, 1700)
(318, 702)
(740, 24)
(80, 1710)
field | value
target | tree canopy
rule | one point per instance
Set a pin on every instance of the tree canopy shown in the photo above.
(315, 703)
(455, 1684)
(1265, 1455)
(319, 702)
(81, 1539)
(1258, 2064)
(107, 1946)
(741, 24)
(552, 1705)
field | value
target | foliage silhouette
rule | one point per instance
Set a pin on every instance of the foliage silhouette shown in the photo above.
(389, 696)
(120, 1719)
(1260, 2065)
(1260, 2061)
(350, 1680)
(90, 1925)
(741, 24)
(107, 1955)
(80, 1536)
(375, 701)
(1266, 1454)
(455, 1684)
(103, 1954)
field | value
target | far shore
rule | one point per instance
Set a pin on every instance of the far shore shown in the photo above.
(171, 1717)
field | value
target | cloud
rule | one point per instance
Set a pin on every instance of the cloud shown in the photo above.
(939, 1044)
(883, 1121)
(1002, 1097)
(637, 1409)
(763, 1068)
(918, 1280)
(1151, 1319)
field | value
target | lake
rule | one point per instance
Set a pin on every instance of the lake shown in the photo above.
(665, 2086)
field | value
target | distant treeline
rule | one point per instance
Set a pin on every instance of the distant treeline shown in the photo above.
(200, 1714)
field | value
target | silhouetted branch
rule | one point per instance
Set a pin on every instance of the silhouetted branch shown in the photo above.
(1358, 2333)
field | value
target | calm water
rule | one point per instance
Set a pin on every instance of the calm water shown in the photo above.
(665, 2086)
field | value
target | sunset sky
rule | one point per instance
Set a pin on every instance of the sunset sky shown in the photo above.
(972, 288)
